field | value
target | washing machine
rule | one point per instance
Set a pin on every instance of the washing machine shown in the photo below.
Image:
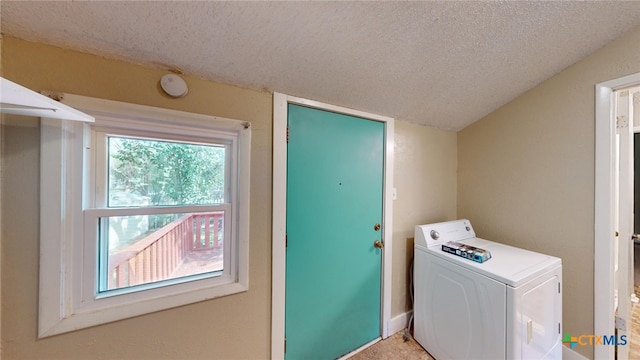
(479, 299)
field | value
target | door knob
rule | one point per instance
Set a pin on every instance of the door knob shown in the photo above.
(378, 244)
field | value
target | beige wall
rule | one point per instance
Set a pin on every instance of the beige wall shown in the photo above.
(234, 327)
(526, 172)
(425, 179)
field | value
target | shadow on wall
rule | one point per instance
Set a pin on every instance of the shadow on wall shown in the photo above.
(409, 257)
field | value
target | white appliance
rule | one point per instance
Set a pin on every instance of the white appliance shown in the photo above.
(506, 307)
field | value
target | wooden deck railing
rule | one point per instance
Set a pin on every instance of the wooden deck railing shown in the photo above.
(157, 256)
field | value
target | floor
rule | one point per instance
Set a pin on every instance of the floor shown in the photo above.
(393, 347)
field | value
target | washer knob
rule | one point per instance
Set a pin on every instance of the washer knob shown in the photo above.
(435, 235)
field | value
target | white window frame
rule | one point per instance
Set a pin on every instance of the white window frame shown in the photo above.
(69, 299)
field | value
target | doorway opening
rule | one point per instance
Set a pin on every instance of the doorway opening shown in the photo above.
(613, 226)
(631, 100)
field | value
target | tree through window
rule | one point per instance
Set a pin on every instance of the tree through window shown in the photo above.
(146, 248)
(164, 173)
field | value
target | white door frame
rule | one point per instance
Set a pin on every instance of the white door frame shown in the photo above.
(604, 226)
(278, 271)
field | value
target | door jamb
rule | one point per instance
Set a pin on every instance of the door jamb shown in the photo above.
(604, 227)
(278, 271)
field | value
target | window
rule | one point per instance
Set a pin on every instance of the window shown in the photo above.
(143, 210)
(159, 209)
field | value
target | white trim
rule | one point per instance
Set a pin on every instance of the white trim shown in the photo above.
(166, 120)
(333, 108)
(387, 230)
(55, 206)
(280, 104)
(604, 227)
(62, 304)
(399, 322)
(17, 99)
(279, 215)
(2, 172)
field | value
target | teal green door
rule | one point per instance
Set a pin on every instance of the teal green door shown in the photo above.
(334, 200)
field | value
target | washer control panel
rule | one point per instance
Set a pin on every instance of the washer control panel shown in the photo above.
(466, 251)
(434, 235)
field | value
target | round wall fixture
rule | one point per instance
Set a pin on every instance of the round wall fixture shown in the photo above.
(174, 86)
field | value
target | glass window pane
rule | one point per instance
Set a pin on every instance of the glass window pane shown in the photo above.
(146, 172)
(143, 249)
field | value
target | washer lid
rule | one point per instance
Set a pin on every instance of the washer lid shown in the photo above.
(509, 265)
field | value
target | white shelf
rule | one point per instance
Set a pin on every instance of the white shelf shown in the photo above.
(17, 99)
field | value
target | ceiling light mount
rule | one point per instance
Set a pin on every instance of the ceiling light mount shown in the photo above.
(174, 86)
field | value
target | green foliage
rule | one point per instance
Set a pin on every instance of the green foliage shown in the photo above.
(147, 172)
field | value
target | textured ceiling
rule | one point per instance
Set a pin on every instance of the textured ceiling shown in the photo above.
(443, 64)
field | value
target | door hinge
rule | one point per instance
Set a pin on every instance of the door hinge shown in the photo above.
(287, 134)
(286, 240)
(558, 288)
(285, 344)
(558, 328)
(622, 122)
(621, 324)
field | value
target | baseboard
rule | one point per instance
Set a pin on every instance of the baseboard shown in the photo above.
(399, 322)
(570, 354)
